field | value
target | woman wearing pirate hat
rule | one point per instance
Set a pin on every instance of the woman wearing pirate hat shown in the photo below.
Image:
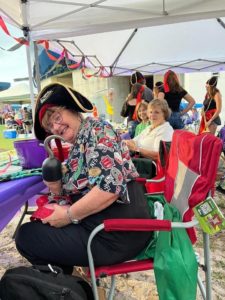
(100, 181)
(212, 107)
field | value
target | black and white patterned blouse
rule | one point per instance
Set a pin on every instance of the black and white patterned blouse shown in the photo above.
(99, 157)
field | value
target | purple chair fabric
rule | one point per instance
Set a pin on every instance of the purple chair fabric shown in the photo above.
(125, 136)
(14, 194)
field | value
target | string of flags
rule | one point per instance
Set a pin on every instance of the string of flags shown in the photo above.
(100, 72)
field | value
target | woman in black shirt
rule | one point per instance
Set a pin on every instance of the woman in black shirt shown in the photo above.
(173, 93)
(212, 107)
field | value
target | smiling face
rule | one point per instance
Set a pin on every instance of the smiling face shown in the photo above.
(62, 122)
(155, 115)
(142, 112)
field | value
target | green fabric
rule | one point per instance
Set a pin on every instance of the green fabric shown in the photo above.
(140, 127)
(20, 174)
(175, 264)
(149, 251)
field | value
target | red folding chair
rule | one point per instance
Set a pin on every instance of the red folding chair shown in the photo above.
(189, 177)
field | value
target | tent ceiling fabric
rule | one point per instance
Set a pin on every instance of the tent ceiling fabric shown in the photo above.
(185, 47)
(57, 19)
(181, 34)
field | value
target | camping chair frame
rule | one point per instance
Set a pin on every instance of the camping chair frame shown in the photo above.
(147, 264)
(201, 186)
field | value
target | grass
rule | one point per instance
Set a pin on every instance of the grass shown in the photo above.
(5, 144)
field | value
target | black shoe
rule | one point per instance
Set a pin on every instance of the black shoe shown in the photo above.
(220, 189)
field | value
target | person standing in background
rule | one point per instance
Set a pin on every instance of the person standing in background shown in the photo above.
(157, 88)
(130, 107)
(27, 120)
(212, 107)
(173, 93)
(137, 77)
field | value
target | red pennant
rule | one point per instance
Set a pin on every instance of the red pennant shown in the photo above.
(21, 41)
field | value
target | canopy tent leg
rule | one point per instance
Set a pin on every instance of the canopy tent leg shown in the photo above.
(37, 69)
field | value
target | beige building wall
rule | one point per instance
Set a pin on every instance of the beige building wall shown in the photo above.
(96, 89)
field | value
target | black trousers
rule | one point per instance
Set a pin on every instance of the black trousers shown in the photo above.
(67, 246)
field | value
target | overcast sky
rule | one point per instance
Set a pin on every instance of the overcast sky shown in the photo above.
(12, 64)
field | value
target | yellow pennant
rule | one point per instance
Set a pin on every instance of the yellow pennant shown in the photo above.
(109, 108)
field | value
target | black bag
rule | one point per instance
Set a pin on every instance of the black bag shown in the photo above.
(41, 283)
(124, 111)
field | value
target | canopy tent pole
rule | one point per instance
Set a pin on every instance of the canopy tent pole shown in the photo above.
(37, 69)
(26, 33)
(29, 67)
(123, 49)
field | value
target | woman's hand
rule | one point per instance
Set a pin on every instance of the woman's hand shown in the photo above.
(131, 145)
(207, 124)
(59, 217)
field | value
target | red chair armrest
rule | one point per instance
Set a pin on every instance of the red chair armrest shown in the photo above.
(136, 225)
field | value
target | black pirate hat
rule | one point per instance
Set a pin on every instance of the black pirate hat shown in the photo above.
(59, 95)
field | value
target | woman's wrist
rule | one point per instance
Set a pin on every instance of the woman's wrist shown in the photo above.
(70, 216)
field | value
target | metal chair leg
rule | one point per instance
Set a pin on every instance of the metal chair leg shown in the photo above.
(207, 262)
(25, 212)
(112, 287)
(201, 287)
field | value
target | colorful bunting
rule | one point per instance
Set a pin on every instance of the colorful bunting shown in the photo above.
(21, 41)
(101, 72)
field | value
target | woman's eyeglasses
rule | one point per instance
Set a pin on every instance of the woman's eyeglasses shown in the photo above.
(56, 118)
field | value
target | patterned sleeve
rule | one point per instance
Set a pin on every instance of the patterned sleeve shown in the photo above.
(105, 161)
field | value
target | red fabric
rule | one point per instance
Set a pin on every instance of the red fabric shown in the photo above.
(60, 150)
(41, 213)
(65, 148)
(5, 29)
(95, 111)
(43, 110)
(157, 187)
(123, 268)
(208, 116)
(200, 154)
(75, 66)
(136, 225)
(139, 98)
(90, 75)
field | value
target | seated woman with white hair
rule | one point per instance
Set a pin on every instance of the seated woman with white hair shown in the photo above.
(146, 144)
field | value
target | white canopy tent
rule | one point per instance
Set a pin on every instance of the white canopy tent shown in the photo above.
(17, 93)
(47, 19)
(147, 35)
(186, 47)
(130, 34)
